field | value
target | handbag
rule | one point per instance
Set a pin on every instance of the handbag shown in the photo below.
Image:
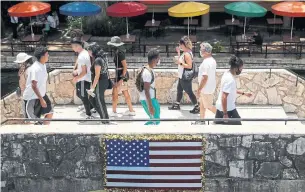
(189, 74)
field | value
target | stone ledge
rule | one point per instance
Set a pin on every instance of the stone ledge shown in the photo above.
(174, 129)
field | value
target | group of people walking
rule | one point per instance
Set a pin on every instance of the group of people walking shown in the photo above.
(91, 77)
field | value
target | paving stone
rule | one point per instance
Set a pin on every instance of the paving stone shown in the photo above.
(270, 170)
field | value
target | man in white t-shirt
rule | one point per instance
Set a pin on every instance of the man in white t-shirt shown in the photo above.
(225, 103)
(51, 21)
(14, 23)
(148, 95)
(36, 101)
(82, 74)
(206, 80)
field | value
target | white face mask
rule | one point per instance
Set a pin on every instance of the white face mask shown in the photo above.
(201, 54)
(159, 62)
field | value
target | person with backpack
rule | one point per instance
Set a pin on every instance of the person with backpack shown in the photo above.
(145, 83)
(100, 80)
(186, 73)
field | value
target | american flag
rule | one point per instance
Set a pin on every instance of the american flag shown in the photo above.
(148, 164)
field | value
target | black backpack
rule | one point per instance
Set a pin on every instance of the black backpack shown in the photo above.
(139, 79)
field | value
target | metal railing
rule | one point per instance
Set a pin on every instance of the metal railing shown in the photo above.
(140, 48)
(208, 120)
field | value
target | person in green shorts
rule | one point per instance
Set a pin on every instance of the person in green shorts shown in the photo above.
(148, 92)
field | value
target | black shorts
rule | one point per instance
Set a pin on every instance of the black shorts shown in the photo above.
(33, 108)
(231, 114)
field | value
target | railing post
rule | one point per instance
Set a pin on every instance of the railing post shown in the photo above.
(167, 53)
(144, 52)
(12, 48)
(266, 51)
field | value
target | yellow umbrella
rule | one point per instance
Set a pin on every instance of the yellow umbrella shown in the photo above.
(188, 9)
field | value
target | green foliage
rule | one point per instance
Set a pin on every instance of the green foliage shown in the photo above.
(217, 47)
(74, 22)
(106, 26)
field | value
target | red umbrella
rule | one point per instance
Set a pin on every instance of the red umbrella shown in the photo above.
(155, 2)
(126, 9)
(29, 9)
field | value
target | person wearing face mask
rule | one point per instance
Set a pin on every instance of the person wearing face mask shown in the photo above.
(206, 80)
(225, 103)
(185, 63)
(147, 91)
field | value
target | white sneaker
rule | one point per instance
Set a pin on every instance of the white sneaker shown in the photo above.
(129, 113)
(112, 114)
(80, 108)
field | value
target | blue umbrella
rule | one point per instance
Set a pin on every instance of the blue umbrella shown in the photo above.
(80, 9)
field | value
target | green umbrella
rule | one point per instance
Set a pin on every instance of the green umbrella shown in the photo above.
(245, 9)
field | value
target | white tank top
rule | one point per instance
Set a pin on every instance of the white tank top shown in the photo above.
(180, 68)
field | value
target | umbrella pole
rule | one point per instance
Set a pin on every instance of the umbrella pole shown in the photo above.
(291, 28)
(127, 35)
(274, 24)
(153, 15)
(188, 26)
(245, 26)
(31, 27)
(232, 25)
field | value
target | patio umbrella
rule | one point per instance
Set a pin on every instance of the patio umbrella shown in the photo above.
(80, 9)
(188, 9)
(289, 9)
(29, 9)
(155, 2)
(126, 9)
(245, 9)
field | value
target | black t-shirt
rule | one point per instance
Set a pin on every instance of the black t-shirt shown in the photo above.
(118, 58)
(258, 39)
(103, 62)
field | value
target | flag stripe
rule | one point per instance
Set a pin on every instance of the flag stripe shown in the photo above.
(175, 161)
(121, 168)
(175, 148)
(175, 156)
(159, 188)
(175, 164)
(154, 172)
(176, 152)
(154, 181)
(175, 177)
(155, 185)
(175, 144)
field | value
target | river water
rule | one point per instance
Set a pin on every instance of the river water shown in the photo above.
(9, 80)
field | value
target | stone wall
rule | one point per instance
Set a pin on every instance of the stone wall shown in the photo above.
(279, 87)
(73, 163)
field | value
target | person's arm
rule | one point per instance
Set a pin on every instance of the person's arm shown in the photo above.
(82, 74)
(227, 89)
(33, 76)
(188, 62)
(224, 99)
(243, 93)
(203, 82)
(124, 64)
(97, 70)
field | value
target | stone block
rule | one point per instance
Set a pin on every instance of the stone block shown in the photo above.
(17, 150)
(211, 147)
(297, 147)
(241, 169)
(215, 170)
(289, 108)
(299, 162)
(230, 142)
(13, 169)
(239, 152)
(290, 174)
(247, 141)
(274, 136)
(215, 185)
(260, 99)
(220, 157)
(292, 99)
(259, 137)
(262, 151)
(273, 97)
(270, 170)
(245, 100)
(300, 89)
(285, 161)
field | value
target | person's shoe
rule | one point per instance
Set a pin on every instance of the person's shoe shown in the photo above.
(80, 108)
(200, 122)
(175, 106)
(112, 114)
(195, 110)
(129, 113)
(93, 111)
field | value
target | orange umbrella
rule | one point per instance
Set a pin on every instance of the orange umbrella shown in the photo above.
(289, 9)
(29, 9)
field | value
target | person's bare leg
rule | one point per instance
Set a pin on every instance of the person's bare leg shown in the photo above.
(48, 116)
(115, 98)
(202, 111)
(128, 100)
(213, 109)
